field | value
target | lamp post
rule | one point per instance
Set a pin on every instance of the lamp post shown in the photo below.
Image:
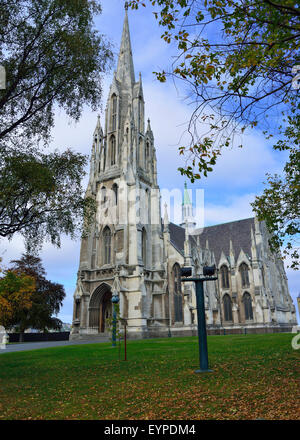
(114, 299)
(208, 272)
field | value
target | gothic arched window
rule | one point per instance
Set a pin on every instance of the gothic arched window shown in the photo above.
(107, 245)
(147, 155)
(115, 194)
(263, 276)
(248, 306)
(147, 204)
(144, 246)
(103, 195)
(141, 116)
(113, 150)
(104, 156)
(93, 262)
(227, 307)
(113, 112)
(178, 315)
(244, 271)
(224, 277)
(77, 309)
(141, 153)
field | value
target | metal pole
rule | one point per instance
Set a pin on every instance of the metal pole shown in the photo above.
(202, 336)
(125, 345)
(114, 332)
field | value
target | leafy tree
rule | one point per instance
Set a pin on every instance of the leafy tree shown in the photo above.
(239, 61)
(279, 205)
(16, 291)
(46, 300)
(53, 58)
(41, 196)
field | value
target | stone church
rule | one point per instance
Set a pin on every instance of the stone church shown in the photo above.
(133, 253)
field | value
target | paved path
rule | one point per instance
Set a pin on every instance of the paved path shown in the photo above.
(47, 344)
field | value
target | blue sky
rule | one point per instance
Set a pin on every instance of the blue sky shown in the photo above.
(228, 191)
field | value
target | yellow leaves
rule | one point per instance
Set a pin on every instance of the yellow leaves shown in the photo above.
(167, 39)
(263, 386)
(16, 292)
(5, 308)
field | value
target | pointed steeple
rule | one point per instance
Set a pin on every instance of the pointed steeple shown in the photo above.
(186, 197)
(125, 70)
(140, 92)
(98, 133)
(187, 210)
(98, 125)
(148, 125)
(149, 129)
(253, 246)
(231, 253)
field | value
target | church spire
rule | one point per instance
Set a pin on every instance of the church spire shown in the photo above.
(125, 69)
(187, 210)
(186, 196)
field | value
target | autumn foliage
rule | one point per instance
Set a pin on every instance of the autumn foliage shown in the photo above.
(16, 291)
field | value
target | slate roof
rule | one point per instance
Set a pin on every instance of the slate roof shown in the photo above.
(218, 237)
(177, 237)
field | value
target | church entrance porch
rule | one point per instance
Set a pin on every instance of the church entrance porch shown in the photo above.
(100, 308)
(105, 311)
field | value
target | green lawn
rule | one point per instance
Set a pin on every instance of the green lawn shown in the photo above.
(255, 376)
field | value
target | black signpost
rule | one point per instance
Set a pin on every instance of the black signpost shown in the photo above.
(208, 275)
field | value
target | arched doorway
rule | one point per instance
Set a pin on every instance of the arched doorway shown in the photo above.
(100, 308)
(105, 311)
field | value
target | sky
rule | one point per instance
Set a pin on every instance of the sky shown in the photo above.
(228, 190)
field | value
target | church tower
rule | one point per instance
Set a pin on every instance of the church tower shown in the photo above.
(128, 253)
(188, 219)
(123, 253)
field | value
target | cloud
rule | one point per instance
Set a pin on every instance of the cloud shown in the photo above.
(233, 208)
(229, 189)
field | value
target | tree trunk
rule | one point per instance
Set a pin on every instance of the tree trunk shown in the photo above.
(21, 336)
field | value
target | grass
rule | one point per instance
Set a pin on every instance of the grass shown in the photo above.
(255, 376)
